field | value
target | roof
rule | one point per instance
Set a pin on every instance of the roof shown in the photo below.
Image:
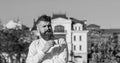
(108, 30)
(111, 30)
(93, 25)
(59, 15)
(74, 20)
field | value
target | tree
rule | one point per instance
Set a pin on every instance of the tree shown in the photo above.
(14, 41)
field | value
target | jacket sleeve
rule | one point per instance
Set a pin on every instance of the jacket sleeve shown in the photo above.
(34, 56)
(63, 56)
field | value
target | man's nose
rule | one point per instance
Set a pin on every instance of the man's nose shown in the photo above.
(46, 27)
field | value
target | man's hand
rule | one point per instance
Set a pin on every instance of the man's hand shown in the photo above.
(62, 41)
(48, 45)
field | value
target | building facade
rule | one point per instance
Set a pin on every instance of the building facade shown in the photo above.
(75, 35)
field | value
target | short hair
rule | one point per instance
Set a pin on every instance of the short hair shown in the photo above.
(43, 18)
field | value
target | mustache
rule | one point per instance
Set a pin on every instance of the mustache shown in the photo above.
(48, 35)
(48, 32)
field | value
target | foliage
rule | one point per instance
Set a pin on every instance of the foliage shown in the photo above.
(11, 39)
(15, 41)
(101, 51)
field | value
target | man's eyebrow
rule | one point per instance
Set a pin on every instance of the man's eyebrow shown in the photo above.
(44, 25)
(49, 24)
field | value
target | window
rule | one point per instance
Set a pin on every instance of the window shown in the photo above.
(74, 38)
(75, 28)
(79, 29)
(59, 28)
(74, 47)
(80, 48)
(80, 38)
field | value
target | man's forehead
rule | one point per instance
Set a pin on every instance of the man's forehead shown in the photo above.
(44, 23)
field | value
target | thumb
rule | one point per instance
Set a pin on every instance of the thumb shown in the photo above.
(62, 41)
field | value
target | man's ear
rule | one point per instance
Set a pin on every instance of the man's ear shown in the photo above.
(38, 32)
(38, 29)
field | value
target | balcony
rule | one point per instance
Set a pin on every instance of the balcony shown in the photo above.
(60, 32)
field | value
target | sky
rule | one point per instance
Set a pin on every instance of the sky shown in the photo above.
(105, 13)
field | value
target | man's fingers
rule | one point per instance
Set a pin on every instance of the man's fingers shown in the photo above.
(61, 41)
(51, 43)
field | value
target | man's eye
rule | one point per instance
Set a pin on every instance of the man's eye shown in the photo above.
(49, 25)
(44, 26)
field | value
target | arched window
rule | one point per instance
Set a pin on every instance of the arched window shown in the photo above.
(75, 28)
(74, 47)
(80, 38)
(74, 38)
(59, 28)
(79, 28)
(80, 47)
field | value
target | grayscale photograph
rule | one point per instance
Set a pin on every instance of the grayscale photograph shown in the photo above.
(59, 31)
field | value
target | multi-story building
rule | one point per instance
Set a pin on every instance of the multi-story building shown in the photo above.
(75, 34)
(13, 25)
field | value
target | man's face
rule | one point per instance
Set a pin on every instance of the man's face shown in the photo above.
(45, 29)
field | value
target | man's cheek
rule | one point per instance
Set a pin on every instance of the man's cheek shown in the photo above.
(42, 30)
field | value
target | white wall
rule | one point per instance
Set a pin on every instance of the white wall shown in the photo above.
(82, 43)
(67, 26)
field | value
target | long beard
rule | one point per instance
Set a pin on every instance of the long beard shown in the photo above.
(47, 36)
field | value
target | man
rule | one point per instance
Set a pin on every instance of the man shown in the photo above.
(46, 49)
